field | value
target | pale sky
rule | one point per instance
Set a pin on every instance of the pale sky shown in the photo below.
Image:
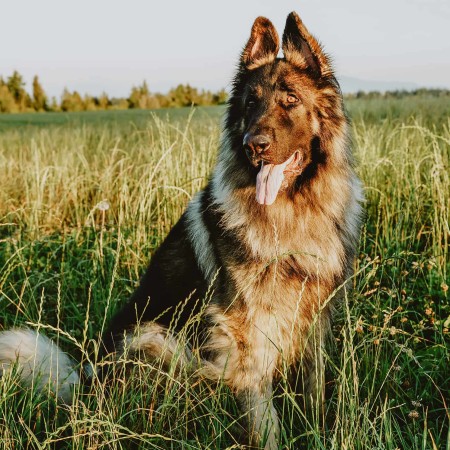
(109, 45)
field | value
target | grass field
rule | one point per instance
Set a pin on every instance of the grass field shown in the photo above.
(86, 198)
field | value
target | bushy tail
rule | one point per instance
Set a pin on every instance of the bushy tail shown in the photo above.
(39, 360)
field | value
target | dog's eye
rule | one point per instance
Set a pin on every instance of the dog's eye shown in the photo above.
(251, 101)
(291, 98)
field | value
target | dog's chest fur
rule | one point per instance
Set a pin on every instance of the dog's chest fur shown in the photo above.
(275, 275)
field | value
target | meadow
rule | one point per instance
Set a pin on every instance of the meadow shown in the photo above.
(86, 198)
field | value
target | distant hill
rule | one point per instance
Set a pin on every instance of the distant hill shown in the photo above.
(351, 85)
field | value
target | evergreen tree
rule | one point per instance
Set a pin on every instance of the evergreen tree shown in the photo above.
(133, 99)
(77, 101)
(16, 87)
(66, 100)
(144, 96)
(140, 97)
(220, 97)
(54, 105)
(103, 101)
(144, 89)
(7, 102)
(39, 97)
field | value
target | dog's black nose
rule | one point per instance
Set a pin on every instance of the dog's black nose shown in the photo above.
(256, 143)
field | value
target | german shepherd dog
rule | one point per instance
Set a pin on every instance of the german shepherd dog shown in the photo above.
(272, 236)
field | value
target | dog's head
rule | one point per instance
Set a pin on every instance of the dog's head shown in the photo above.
(277, 105)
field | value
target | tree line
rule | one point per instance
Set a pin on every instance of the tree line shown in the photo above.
(401, 93)
(15, 98)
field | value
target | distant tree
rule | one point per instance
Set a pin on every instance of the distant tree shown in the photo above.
(205, 98)
(134, 97)
(103, 101)
(220, 97)
(66, 100)
(162, 100)
(183, 95)
(54, 106)
(153, 102)
(144, 89)
(7, 101)
(90, 103)
(144, 95)
(77, 102)
(360, 94)
(119, 103)
(398, 93)
(141, 98)
(71, 101)
(16, 86)
(39, 97)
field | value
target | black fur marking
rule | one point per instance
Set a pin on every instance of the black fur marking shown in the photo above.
(318, 157)
(172, 276)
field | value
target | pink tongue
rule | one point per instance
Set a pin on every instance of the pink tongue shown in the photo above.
(268, 181)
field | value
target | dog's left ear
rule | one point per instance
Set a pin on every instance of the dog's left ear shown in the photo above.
(263, 45)
(302, 49)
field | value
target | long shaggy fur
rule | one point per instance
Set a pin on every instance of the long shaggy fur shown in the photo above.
(39, 361)
(274, 253)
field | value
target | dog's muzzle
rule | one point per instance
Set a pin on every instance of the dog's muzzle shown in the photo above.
(256, 145)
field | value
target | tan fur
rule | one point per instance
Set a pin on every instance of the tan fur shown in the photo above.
(157, 344)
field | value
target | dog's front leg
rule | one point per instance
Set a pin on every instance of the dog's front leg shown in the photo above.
(245, 358)
(260, 415)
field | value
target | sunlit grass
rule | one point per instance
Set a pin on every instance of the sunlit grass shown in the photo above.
(83, 206)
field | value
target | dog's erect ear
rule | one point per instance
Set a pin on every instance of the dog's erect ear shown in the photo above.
(263, 45)
(302, 49)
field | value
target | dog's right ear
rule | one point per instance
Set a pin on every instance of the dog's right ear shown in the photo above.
(263, 45)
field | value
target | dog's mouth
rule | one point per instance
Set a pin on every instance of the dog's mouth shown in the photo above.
(272, 177)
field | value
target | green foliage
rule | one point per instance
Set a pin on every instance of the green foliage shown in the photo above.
(68, 263)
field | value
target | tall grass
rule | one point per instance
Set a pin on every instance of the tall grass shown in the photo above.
(84, 205)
